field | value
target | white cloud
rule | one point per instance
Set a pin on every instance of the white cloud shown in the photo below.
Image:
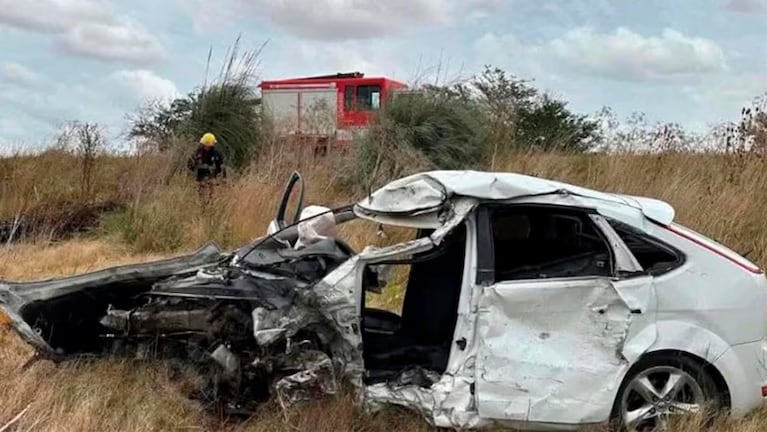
(351, 19)
(49, 107)
(733, 90)
(473, 10)
(746, 6)
(667, 76)
(626, 55)
(525, 60)
(52, 15)
(103, 99)
(621, 55)
(392, 59)
(86, 28)
(146, 85)
(329, 19)
(21, 75)
(10, 128)
(484, 5)
(125, 42)
(208, 16)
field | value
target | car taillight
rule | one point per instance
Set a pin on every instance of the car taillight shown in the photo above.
(714, 247)
(764, 391)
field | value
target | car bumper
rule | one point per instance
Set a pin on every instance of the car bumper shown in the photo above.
(744, 369)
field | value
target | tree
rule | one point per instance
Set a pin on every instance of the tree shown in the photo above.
(752, 127)
(155, 123)
(549, 125)
(86, 141)
(522, 117)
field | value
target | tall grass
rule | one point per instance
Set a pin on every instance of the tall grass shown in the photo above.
(724, 196)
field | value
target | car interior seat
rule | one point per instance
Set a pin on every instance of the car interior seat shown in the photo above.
(429, 313)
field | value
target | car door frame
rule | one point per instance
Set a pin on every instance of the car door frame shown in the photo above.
(633, 287)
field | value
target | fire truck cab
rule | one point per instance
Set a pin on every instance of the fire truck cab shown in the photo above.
(326, 110)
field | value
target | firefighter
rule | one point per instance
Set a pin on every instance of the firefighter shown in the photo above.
(207, 164)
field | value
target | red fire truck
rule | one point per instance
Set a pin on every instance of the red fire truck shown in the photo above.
(326, 110)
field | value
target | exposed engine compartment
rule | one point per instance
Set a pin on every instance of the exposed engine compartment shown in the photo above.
(251, 327)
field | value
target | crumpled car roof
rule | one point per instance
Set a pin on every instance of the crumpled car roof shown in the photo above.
(428, 191)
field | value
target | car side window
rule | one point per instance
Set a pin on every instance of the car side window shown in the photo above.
(653, 255)
(543, 242)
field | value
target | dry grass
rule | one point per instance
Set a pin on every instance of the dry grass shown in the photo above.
(724, 197)
(132, 396)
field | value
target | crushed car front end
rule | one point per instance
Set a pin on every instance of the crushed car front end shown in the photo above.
(269, 320)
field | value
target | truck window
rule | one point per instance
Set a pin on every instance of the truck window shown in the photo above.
(349, 98)
(368, 97)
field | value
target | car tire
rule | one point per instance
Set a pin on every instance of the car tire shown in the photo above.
(661, 386)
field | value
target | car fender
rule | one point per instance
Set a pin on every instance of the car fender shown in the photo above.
(683, 336)
(688, 338)
(742, 384)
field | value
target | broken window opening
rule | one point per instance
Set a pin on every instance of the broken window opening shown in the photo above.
(655, 256)
(421, 336)
(362, 233)
(545, 242)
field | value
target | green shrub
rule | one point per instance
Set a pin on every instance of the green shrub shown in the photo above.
(146, 227)
(436, 128)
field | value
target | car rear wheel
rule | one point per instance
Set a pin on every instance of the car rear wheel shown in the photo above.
(660, 388)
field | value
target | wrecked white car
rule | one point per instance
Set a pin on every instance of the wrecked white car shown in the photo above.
(529, 302)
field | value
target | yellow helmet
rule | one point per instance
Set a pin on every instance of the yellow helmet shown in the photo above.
(208, 140)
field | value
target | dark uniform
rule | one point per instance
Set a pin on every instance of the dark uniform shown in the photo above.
(207, 165)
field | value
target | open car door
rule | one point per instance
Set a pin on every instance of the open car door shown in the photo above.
(279, 222)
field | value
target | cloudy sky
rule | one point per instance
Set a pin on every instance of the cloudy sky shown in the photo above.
(689, 61)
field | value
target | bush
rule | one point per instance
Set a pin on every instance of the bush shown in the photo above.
(437, 128)
(145, 227)
(467, 124)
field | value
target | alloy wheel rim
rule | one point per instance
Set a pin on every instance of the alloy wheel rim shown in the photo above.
(657, 394)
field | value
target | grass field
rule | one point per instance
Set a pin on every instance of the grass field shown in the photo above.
(724, 197)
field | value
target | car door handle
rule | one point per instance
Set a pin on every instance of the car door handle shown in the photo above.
(603, 310)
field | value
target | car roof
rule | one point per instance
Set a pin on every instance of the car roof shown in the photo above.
(427, 192)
